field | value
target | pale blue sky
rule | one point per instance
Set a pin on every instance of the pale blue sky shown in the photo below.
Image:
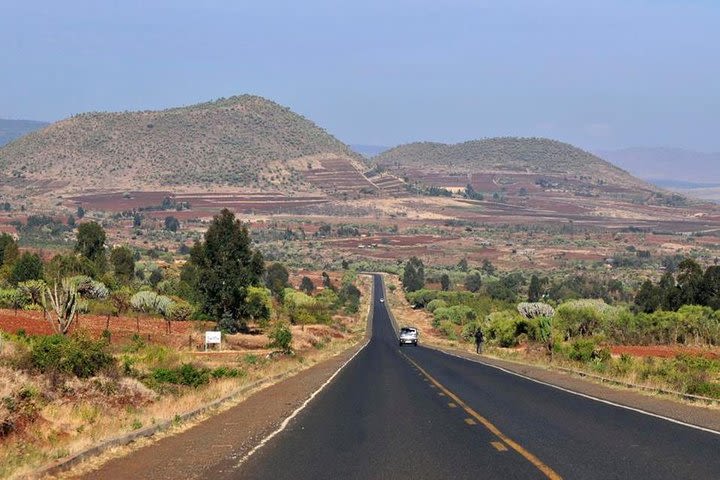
(600, 74)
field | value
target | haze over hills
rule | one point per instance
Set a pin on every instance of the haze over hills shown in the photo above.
(244, 141)
(667, 164)
(12, 129)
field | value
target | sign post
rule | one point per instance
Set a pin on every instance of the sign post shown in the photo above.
(212, 338)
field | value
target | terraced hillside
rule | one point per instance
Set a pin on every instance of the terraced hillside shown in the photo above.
(243, 141)
(532, 156)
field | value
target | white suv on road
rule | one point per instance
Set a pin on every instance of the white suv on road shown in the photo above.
(408, 335)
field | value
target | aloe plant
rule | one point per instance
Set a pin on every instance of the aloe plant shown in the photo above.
(64, 303)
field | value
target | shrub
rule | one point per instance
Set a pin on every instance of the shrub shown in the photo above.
(281, 337)
(226, 372)
(187, 374)
(503, 328)
(435, 304)
(582, 350)
(78, 355)
(180, 311)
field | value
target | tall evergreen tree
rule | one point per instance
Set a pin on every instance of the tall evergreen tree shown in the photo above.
(225, 265)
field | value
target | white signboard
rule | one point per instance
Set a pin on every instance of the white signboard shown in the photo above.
(212, 338)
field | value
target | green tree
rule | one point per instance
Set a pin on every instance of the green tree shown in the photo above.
(445, 282)
(62, 266)
(648, 298)
(259, 305)
(80, 212)
(71, 221)
(307, 285)
(123, 262)
(137, 220)
(670, 293)
(91, 244)
(172, 224)
(8, 249)
(27, 267)
(689, 281)
(463, 264)
(535, 289)
(227, 265)
(710, 293)
(473, 281)
(487, 267)
(413, 275)
(327, 282)
(277, 279)
(281, 338)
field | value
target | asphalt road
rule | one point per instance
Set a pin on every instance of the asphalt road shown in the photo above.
(413, 412)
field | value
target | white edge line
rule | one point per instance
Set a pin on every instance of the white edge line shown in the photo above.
(285, 422)
(584, 395)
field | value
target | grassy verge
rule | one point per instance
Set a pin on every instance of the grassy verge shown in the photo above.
(50, 413)
(684, 373)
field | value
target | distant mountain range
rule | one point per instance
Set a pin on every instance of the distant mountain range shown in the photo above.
(12, 129)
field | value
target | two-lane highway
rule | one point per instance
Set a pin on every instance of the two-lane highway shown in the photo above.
(414, 412)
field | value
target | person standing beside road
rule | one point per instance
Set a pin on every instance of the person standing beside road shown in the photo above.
(479, 339)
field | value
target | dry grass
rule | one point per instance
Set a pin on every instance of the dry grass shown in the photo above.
(101, 408)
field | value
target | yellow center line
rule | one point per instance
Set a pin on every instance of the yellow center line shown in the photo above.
(545, 469)
(499, 446)
(470, 421)
(452, 405)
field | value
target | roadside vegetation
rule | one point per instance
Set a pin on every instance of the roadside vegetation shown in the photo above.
(606, 333)
(72, 384)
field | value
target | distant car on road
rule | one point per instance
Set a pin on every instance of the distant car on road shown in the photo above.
(382, 300)
(408, 335)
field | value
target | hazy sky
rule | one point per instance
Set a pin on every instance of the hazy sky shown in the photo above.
(601, 74)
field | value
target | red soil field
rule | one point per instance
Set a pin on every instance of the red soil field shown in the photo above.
(122, 328)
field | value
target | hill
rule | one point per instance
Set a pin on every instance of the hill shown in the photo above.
(538, 156)
(244, 141)
(667, 164)
(12, 129)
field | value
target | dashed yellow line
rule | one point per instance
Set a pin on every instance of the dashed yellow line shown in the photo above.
(499, 446)
(505, 440)
(452, 405)
(470, 421)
